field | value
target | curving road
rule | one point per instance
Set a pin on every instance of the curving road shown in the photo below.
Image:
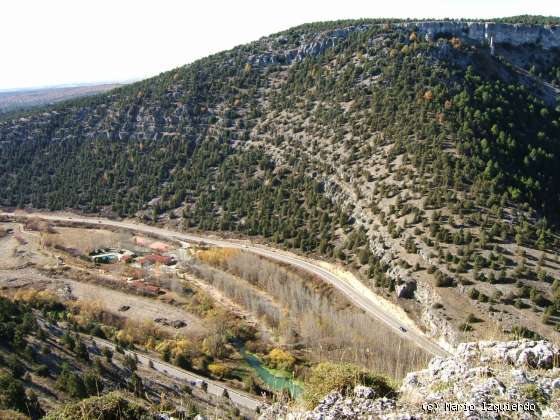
(370, 306)
(240, 398)
(218, 389)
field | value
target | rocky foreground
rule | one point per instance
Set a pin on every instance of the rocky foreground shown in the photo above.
(484, 380)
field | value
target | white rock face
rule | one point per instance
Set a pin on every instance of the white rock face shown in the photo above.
(546, 37)
(535, 354)
(484, 380)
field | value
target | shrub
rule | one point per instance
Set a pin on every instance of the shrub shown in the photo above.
(114, 405)
(182, 361)
(327, 377)
(534, 393)
(129, 363)
(523, 332)
(218, 369)
(92, 383)
(215, 344)
(465, 327)
(249, 384)
(12, 415)
(471, 319)
(12, 393)
(16, 367)
(442, 280)
(42, 370)
(108, 354)
(280, 359)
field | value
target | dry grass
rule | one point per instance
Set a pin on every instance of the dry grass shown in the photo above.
(326, 377)
(493, 331)
(38, 225)
(128, 331)
(82, 240)
(36, 297)
(140, 308)
(217, 256)
(87, 311)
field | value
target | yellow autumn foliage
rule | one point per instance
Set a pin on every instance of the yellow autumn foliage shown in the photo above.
(88, 310)
(218, 369)
(280, 359)
(216, 256)
(175, 346)
(143, 333)
(124, 338)
(35, 297)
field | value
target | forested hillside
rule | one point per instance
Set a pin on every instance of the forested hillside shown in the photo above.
(423, 161)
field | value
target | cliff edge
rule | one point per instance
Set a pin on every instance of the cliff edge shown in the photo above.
(484, 380)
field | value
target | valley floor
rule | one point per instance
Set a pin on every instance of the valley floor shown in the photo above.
(372, 304)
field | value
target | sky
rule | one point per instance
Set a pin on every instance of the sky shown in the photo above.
(57, 42)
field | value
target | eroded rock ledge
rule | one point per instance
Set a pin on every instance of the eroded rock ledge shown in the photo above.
(484, 380)
(545, 37)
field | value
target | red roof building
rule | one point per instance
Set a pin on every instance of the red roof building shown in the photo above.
(156, 259)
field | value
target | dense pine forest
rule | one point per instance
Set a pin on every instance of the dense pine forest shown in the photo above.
(329, 138)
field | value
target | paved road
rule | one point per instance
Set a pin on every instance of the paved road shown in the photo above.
(239, 398)
(370, 306)
(215, 388)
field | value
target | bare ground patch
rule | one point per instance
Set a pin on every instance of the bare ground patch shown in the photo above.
(86, 240)
(139, 308)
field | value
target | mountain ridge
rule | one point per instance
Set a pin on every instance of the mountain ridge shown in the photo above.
(411, 159)
(16, 99)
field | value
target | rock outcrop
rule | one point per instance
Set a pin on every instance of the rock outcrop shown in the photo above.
(484, 380)
(313, 47)
(545, 37)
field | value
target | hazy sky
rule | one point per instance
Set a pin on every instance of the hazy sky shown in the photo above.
(50, 42)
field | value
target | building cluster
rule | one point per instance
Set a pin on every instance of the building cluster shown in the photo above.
(153, 255)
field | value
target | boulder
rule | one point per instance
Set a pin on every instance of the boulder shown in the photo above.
(178, 324)
(541, 355)
(366, 392)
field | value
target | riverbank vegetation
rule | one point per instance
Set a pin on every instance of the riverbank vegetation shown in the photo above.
(306, 314)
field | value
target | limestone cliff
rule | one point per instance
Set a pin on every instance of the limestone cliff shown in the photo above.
(545, 37)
